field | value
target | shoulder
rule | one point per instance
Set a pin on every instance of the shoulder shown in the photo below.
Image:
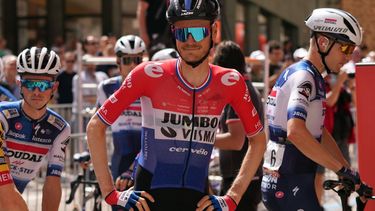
(10, 109)
(225, 76)
(56, 120)
(156, 69)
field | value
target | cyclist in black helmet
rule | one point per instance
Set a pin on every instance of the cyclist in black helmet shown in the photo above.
(182, 100)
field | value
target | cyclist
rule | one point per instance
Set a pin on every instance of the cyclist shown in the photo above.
(32, 131)
(295, 112)
(164, 54)
(10, 198)
(182, 100)
(126, 130)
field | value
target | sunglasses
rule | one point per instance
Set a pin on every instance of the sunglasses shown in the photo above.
(129, 60)
(346, 48)
(198, 33)
(32, 85)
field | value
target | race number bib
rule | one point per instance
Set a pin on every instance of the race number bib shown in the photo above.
(274, 155)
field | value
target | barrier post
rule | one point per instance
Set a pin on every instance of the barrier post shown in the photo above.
(365, 86)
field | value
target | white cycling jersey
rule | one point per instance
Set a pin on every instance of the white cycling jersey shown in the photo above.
(298, 93)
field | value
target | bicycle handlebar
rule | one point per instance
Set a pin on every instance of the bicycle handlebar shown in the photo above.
(346, 187)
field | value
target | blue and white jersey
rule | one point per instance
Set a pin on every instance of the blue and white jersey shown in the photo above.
(298, 93)
(28, 142)
(128, 125)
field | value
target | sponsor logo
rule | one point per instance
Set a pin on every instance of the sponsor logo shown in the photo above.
(200, 128)
(230, 78)
(154, 70)
(330, 29)
(20, 170)
(58, 123)
(271, 101)
(330, 20)
(10, 113)
(305, 89)
(295, 190)
(42, 140)
(16, 135)
(55, 172)
(113, 99)
(279, 194)
(24, 156)
(5, 177)
(128, 82)
(18, 126)
(200, 151)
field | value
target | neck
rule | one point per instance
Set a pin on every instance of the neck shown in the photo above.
(195, 76)
(32, 112)
(315, 59)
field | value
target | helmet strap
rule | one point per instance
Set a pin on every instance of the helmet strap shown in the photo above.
(324, 54)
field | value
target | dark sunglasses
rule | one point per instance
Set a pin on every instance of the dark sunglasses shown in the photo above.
(346, 48)
(198, 33)
(32, 85)
(129, 60)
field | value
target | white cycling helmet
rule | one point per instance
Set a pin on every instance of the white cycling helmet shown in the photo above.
(39, 61)
(337, 23)
(299, 53)
(258, 55)
(129, 44)
(164, 54)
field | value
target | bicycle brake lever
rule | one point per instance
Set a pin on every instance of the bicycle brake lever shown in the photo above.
(73, 188)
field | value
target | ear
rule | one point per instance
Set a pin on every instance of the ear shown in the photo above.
(214, 32)
(55, 86)
(323, 42)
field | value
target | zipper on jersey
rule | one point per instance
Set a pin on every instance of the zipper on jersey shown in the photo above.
(190, 141)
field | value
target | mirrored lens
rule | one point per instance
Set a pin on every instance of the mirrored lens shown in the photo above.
(32, 85)
(347, 48)
(129, 60)
(198, 33)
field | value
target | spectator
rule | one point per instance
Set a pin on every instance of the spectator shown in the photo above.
(153, 27)
(65, 79)
(91, 45)
(5, 94)
(10, 75)
(299, 54)
(229, 55)
(275, 57)
(3, 48)
(257, 66)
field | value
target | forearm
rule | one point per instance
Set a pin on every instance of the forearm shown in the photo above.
(310, 147)
(250, 164)
(51, 194)
(96, 140)
(330, 144)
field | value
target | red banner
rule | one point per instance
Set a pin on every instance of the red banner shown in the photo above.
(365, 90)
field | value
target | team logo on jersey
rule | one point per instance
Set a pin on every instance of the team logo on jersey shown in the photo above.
(18, 126)
(10, 113)
(230, 78)
(279, 194)
(154, 70)
(168, 132)
(58, 123)
(305, 89)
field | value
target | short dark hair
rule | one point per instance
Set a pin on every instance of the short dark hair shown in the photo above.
(273, 45)
(228, 54)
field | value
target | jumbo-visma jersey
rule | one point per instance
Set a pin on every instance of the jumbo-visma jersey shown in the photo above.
(28, 142)
(179, 121)
(298, 93)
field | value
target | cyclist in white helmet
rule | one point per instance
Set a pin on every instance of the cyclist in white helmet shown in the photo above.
(296, 110)
(33, 132)
(164, 54)
(126, 131)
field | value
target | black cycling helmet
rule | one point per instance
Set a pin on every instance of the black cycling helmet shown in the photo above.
(192, 10)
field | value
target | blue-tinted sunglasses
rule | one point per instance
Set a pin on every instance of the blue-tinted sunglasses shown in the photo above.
(198, 33)
(32, 85)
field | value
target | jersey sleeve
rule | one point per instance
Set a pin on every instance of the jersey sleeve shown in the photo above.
(5, 177)
(301, 88)
(131, 89)
(243, 106)
(56, 156)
